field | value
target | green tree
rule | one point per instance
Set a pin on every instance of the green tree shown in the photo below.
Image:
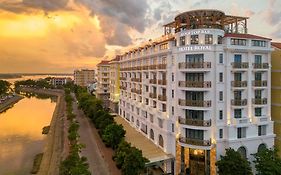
(113, 134)
(134, 162)
(233, 164)
(121, 153)
(4, 86)
(267, 162)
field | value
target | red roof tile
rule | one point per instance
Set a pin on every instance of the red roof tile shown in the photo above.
(277, 45)
(103, 63)
(247, 36)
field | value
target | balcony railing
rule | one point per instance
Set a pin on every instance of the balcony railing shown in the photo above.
(152, 95)
(236, 121)
(242, 65)
(260, 119)
(123, 87)
(195, 103)
(161, 66)
(153, 67)
(138, 91)
(260, 83)
(134, 90)
(162, 97)
(197, 142)
(239, 102)
(260, 65)
(195, 122)
(136, 79)
(123, 78)
(153, 81)
(192, 65)
(145, 67)
(259, 101)
(195, 84)
(239, 83)
(162, 82)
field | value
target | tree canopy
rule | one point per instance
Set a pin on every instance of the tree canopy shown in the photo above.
(4, 86)
(267, 162)
(233, 164)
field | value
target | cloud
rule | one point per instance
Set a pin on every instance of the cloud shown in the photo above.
(273, 17)
(117, 18)
(46, 5)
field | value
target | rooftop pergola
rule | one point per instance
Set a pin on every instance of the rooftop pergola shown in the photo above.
(197, 19)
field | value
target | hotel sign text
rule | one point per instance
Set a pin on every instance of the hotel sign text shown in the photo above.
(195, 48)
(195, 32)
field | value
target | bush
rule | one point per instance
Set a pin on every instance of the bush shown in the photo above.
(113, 134)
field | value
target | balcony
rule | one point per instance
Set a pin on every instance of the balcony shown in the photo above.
(123, 87)
(145, 67)
(259, 101)
(195, 84)
(161, 66)
(195, 103)
(138, 91)
(136, 79)
(194, 65)
(134, 90)
(162, 97)
(162, 82)
(260, 65)
(152, 95)
(197, 142)
(239, 83)
(237, 121)
(260, 83)
(195, 122)
(123, 78)
(260, 119)
(236, 102)
(242, 65)
(153, 81)
(153, 67)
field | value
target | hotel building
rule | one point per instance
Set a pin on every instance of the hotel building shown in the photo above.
(276, 93)
(84, 77)
(114, 86)
(202, 87)
(103, 76)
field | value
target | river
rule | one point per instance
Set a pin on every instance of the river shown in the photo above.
(20, 133)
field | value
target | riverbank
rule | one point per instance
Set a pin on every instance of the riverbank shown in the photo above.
(56, 148)
(9, 102)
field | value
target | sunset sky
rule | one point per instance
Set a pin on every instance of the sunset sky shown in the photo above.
(62, 35)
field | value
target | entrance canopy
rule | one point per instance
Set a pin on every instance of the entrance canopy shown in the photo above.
(149, 150)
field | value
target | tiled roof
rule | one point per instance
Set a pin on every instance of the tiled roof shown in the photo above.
(103, 63)
(247, 36)
(117, 58)
(277, 45)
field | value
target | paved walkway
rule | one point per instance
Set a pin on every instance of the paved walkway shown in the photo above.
(99, 157)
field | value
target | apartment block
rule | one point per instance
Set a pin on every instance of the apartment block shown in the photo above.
(114, 86)
(84, 77)
(276, 92)
(103, 91)
(202, 87)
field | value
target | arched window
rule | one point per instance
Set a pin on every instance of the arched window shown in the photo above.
(242, 151)
(138, 123)
(161, 141)
(261, 147)
(151, 134)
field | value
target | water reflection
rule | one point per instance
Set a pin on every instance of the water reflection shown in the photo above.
(20, 134)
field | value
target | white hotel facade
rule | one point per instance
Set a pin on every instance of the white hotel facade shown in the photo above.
(202, 87)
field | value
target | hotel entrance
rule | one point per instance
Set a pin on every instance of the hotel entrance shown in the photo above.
(197, 162)
(194, 161)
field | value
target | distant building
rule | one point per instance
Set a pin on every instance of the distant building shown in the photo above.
(114, 86)
(59, 81)
(276, 92)
(84, 77)
(102, 91)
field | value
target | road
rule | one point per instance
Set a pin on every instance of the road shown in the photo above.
(97, 163)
